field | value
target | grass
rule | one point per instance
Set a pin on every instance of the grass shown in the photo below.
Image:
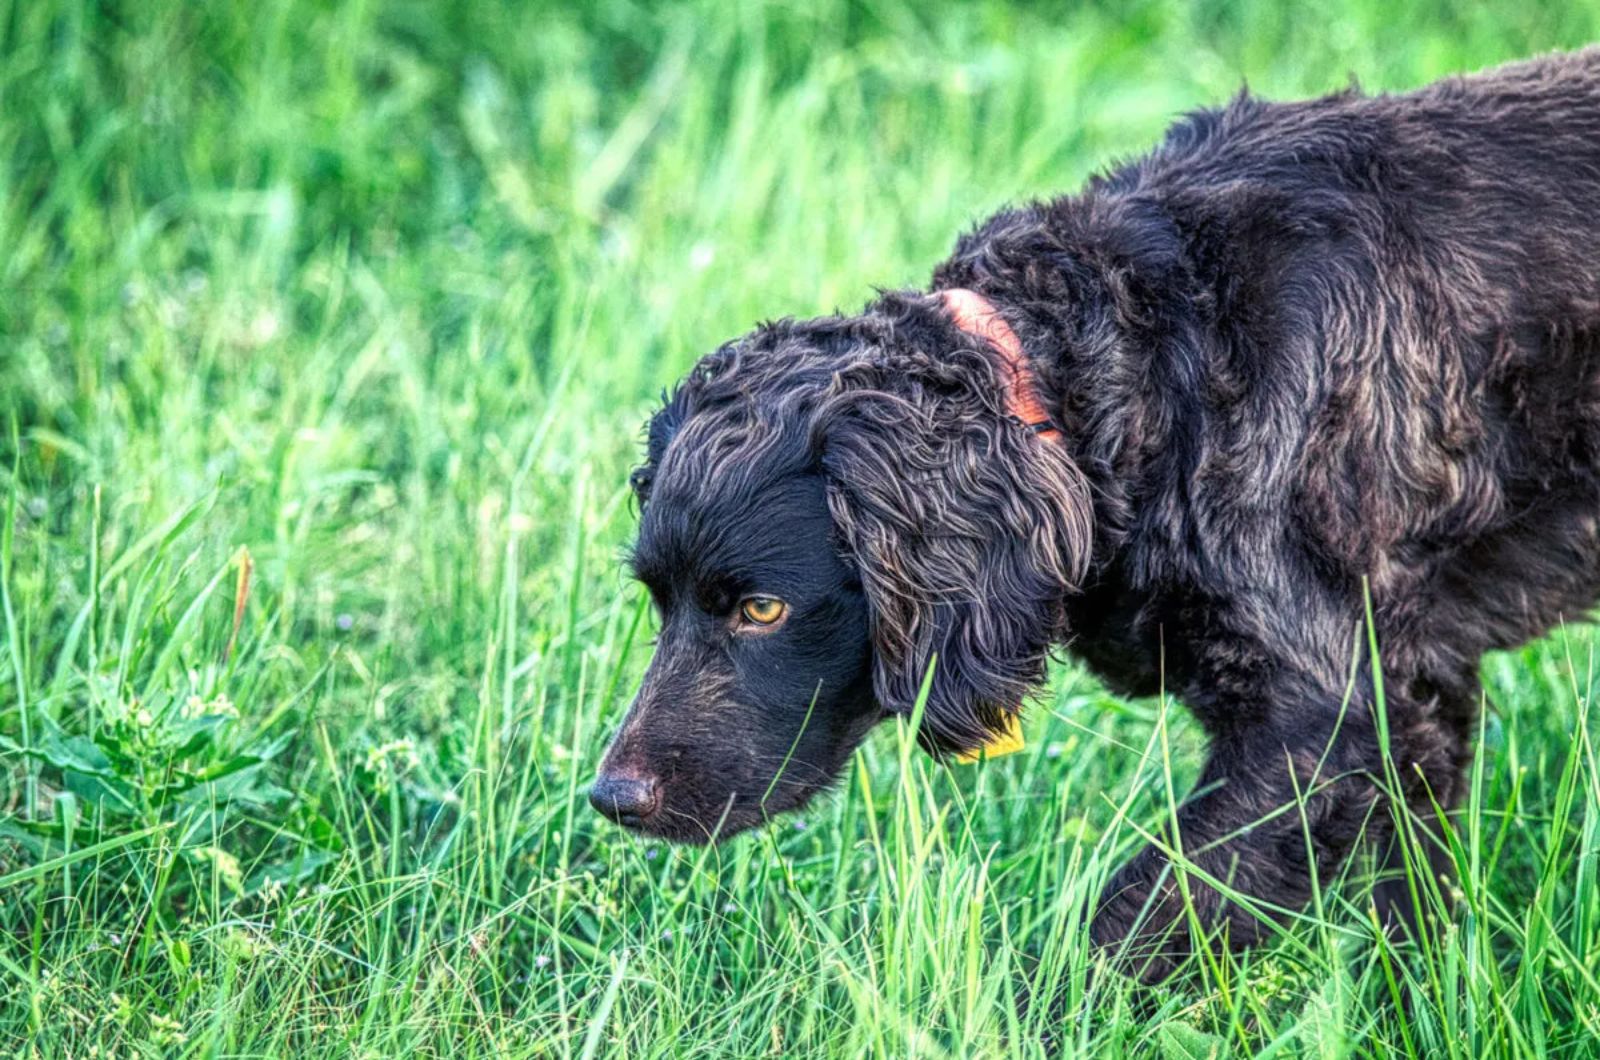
(326, 337)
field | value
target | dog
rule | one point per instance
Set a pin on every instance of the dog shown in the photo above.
(1301, 360)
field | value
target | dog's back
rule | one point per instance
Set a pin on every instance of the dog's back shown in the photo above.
(1518, 142)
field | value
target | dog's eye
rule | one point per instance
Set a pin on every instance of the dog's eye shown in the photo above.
(763, 610)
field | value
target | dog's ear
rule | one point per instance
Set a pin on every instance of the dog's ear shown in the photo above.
(968, 532)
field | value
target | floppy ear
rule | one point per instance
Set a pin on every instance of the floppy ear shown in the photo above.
(968, 532)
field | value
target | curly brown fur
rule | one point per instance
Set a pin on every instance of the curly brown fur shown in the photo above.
(1296, 348)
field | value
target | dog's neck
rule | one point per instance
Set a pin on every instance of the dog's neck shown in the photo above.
(977, 316)
(1047, 389)
(1110, 339)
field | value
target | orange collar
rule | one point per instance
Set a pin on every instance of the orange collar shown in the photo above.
(977, 316)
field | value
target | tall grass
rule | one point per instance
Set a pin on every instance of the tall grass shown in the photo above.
(326, 335)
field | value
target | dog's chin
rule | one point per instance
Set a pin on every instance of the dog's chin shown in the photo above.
(700, 827)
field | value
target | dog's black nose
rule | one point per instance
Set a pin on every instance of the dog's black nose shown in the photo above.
(626, 800)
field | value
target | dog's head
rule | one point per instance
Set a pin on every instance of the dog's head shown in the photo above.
(827, 509)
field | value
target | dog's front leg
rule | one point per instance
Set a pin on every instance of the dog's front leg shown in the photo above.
(1275, 803)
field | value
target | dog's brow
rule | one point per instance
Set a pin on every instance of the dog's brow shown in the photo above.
(647, 570)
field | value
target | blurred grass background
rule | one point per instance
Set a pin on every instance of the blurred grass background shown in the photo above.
(326, 335)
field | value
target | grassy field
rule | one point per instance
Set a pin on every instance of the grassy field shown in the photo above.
(326, 333)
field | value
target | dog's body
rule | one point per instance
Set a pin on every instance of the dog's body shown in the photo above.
(1297, 349)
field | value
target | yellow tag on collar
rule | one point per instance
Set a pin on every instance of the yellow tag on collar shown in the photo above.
(1000, 744)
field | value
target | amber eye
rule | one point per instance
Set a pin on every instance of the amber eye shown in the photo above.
(762, 610)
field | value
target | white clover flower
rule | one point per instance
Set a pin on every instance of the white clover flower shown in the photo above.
(401, 754)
